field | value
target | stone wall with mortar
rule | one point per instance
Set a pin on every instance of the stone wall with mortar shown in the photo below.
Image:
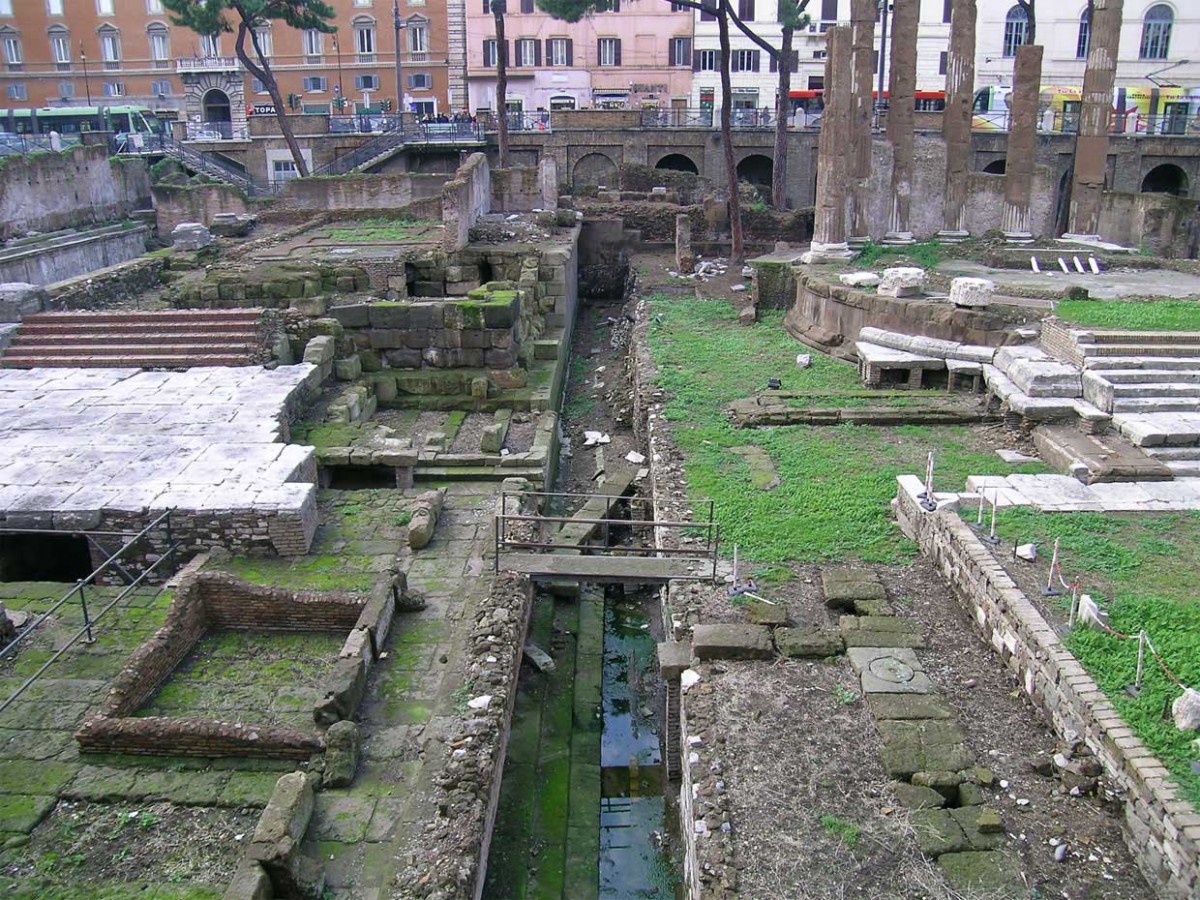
(1163, 829)
(830, 316)
(68, 256)
(78, 187)
(516, 189)
(272, 285)
(108, 287)
(361, 191)
(1158, 224)
(174, 203)
(465, 198)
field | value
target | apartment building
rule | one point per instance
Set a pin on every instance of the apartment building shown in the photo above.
(637, 56)
(110, 52)
(1157, 41)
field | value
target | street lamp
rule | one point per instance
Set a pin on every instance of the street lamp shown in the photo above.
(341, 91)
(87, 85)
(400, 25)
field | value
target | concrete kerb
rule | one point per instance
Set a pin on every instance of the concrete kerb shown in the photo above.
(1163, 832)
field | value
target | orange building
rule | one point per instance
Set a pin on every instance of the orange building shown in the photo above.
(117, 52)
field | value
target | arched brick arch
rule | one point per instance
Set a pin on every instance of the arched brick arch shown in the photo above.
(594, 168)
(678, 162)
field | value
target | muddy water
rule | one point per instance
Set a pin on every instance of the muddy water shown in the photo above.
(582, 808)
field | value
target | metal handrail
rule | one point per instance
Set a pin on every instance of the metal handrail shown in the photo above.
(88, 620)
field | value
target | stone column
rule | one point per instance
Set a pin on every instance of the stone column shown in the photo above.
(829, 224)
(902, 91)
(956, 121)
(1091, 146)
(862, 39)
(1022, 145)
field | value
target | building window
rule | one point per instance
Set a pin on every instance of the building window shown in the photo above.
(315, 84)
(947, 10)
(829, 13)
(363, 2)
(708, 14)
(17, 92)
(210, 46)
(366, 82)
(314, 46)
(608, 51)
(12, 51)
(105, 7)
(705, 61)
(110, 48)
(424, 108)
(816, 82)
(490, 56)
(66, 89)
(284, 170)
(1016, 30)
(773, 63)
(558, 51)
(744, 60)
(53, 7)
(265, 44)
(526, 6)
(154, 7)
(60, 48)
(114, 89)
(364, 40)
(160, 46)
(6, 8)
(1084, 43)
(258, 86)
(160, 88)
(746, 10)
(420, 81)
(680, 50)
(1156, 32)
(418, 40)
(528, 53)
(943, 62)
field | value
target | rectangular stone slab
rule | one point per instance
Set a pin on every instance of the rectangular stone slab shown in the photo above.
(880, 631)
(889, 670)
(909, 706)
(723, 641)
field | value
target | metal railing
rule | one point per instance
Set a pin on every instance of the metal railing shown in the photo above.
(703, 535)
(677, 118)
(518, 121)
(216, 131)
(16, 144)
(79, 591)
(209, 164)
(395, 132)
(208, 64)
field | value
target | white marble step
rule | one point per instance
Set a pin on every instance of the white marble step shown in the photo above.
(1139, 362)
(1155, 429)
(1173, 454)
(1151, 376)
(1155, 405)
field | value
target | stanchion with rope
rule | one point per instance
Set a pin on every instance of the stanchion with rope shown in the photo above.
(993, 538)
(928, 502)
(1055, 567)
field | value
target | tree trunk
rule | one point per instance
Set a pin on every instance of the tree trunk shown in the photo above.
(498, 10)
(262, 71)
(782, 115)
(735, 204)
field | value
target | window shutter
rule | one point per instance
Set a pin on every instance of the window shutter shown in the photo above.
(795, 61)
(487, 7)
(549, 52)
(537, 53)
(570, 52)
(695, 60)
(526, 6)
(599, 50)
(617, 53)
(516, 62)
(773, 66)
(485, 52)
(734, 62)
(502, 49)
(829, 10)
(947, 10)
(755, 60)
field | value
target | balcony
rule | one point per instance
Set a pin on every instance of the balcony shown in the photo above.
(199, 65)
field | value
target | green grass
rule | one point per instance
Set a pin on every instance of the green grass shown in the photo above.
(1143, 571)
(927, 255)
(839, 828)
(1145, 315)
(836, 483)
(370, 230)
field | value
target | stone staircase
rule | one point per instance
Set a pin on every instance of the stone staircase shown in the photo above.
(1150, 383)
(149, 340)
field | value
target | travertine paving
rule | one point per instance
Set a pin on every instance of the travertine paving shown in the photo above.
(80, 442)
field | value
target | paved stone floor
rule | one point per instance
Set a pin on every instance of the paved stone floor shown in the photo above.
(127, 440)
(1062, 493)
(1111, 285)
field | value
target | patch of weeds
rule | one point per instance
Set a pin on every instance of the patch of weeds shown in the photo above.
(351, 509)
(461, 695)
(926, 254)
(847, 832)
(836, 483)
(402, 518)
(845, 696)
(1132, 315)
(1142, 569)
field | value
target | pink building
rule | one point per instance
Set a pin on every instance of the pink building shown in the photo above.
(634, 58)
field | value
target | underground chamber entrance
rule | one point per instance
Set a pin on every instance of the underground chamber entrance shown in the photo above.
(44, 557)
(586, 812)
(358, 478)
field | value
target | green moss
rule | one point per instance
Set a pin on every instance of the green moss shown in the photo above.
(1132, 315)
(328, 435)
(472, 314)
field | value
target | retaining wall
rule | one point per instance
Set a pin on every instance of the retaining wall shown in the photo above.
(464, 199)
(67, 256)
(1163, 830)
(361, 191)
(108, 287)
(176, 203)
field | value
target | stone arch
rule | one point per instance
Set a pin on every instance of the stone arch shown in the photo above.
(757, 169)
(594, 169)
(677, 162)
(1166, 179)
(996, 166)
(216, 105)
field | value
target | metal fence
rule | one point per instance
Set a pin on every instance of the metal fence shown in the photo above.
(15, 144)
(677, 118)
(216, 131)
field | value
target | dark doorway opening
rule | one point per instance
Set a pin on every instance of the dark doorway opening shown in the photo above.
(1166, 179)
(996, 167)
(44, 557)
(216, 106)
(359, 478)
(677, 162)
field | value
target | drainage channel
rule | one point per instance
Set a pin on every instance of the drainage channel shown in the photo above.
(584, 810)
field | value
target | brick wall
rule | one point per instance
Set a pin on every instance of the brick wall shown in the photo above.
(236, 604)
(195, 203)
(1059, 341)
(516, 189)
(464, 199)
(1163, 830)
(152, 736)
(106, 288)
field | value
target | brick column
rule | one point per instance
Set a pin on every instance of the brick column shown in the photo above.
(1091, 146)
(1022, 145)
(902, 89)
(956, 121)
(829, 224)
(862, 39)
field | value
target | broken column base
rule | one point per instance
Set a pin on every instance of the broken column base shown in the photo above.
(898, 238)
(1082, 238)
(953, 237)
(857, 243)
(1018, 237)
(827, 253)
